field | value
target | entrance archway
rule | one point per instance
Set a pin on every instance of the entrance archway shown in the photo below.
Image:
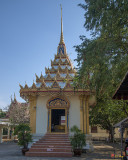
(58, 115)
(58, 120)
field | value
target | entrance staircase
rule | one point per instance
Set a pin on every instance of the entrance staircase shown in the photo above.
(51, 145)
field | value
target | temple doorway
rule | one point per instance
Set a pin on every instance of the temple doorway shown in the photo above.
(58, 120)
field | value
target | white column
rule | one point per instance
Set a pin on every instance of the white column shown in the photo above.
(0, 135)
(8, 132)
(12, 136)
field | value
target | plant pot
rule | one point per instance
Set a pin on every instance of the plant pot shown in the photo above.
(24, 150)
(77, 152)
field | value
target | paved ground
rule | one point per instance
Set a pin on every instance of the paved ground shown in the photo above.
(10, 151)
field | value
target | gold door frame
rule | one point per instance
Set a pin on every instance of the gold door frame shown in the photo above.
(57, 105)
(49, 126)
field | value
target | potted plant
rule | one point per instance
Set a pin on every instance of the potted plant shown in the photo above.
(23, 133)
(78, 140)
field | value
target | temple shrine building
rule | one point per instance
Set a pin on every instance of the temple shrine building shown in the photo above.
(55, 104)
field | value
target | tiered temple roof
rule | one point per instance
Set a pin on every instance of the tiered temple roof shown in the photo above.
(57, 79)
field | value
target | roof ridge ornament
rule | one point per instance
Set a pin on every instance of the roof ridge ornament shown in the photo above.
(26, 86)
(61, 37)
(37, 78)
(14, 96)
(41, 76)
(33, 85)
(21, 87)
(11, 99)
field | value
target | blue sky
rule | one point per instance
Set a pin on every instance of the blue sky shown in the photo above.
(29, 36)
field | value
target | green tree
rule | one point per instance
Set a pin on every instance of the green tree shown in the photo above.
(108, 19)
(103, 73)
(102, 60)
(2, 114)
(24, 135)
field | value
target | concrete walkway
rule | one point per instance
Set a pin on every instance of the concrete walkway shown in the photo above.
(11, 151)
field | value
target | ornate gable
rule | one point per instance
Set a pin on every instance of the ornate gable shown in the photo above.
(55, 85)
(58, 102)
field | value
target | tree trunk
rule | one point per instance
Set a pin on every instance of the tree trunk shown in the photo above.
(111, 134)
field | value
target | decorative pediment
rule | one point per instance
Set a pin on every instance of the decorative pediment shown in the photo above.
(59, 56)
(61, 62)
(58, 75)
(58, 102)
(43, 85)
(48, 77)
(68, 85)
(55, 85)
(59, 68)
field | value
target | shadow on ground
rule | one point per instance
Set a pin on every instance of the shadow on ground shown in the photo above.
(102, 151)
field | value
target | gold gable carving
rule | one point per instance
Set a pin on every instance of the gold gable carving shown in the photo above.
(68, 85)
(43, 85)
(48, 77)
(55, 85)
(58, 102)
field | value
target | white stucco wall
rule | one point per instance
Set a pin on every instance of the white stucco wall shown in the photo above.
(41, 115)
(74, 111)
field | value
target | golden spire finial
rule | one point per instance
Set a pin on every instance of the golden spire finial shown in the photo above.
(11, 98)
(14, 96)
(61, 37)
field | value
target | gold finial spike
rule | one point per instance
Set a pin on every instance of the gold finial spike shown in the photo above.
(21, 87)
(14, 96)
(11, 98)
(61, 37)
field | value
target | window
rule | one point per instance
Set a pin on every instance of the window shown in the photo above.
(5, 131)
(94, 129)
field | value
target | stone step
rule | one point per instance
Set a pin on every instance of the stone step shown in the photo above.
(49, 154)
(54, 138)
(50, 146)
(50, 150)
(51, 143)
(57, 136)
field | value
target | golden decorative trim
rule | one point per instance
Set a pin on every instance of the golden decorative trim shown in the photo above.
(26, 86)
(58, 102)
(33, 86)
(21, 87)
